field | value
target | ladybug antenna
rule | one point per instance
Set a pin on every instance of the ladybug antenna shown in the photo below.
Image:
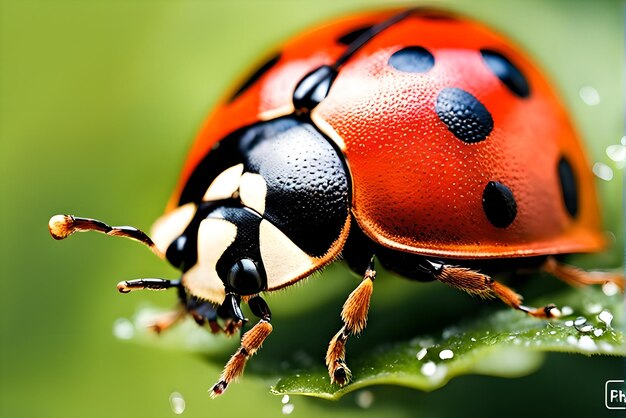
(127, 286)
(62, 226)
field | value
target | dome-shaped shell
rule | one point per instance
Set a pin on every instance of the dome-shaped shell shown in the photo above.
(456, 143)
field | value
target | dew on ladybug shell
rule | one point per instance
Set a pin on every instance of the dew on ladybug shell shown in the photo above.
(589, 95)
(602, 171)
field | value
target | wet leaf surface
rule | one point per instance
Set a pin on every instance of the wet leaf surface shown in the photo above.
(494, 342)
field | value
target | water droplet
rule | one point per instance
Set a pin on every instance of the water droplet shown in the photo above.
(594, 308)
(421, 354)
(589, 95)
(123, 329)
(177, 403)
(446, 354)
(288, 408)
(598, 332)
(552, 332)
(569, 323)
(586, 343)
(364, 399)
(567, 310)
(473, 339)
(606, 317)
(616, 152)
(580, 321)
(571, 340)
(610, 289)
(429, 369)
(586, 328)
(285, 399)
(605, 346)
(603, 171)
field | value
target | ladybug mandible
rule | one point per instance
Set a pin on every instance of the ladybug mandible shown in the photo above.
(415, 137)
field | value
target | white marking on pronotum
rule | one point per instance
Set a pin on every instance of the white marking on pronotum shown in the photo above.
(214, 237)
(283, 260)
(225, 185)
(171, 225)
(252, 191)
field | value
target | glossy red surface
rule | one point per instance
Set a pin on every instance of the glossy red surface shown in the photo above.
(417, 187)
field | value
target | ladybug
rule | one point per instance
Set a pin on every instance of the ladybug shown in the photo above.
(416, 138)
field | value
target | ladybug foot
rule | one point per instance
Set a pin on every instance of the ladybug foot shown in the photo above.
(547, 312)
(341, 374)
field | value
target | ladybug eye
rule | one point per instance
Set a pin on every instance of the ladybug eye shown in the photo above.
(244, 278)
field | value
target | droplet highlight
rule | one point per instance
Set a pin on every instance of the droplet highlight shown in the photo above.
(446, 354)
(177, 403)
(589, 95)
(602, 171)
(123, 329)
(364, 399)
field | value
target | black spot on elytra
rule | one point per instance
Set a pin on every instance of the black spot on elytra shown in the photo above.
(569, 187)
(464, 115)
(508, 73)
(499, 204)
(352, 36)
(256, 75)
(412, 59)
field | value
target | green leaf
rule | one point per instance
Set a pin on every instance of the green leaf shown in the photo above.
(506, 344)
(501, 342)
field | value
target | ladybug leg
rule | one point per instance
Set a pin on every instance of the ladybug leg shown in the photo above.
(484, 286)
(62, 226)
(202, 312)
(354, 317)
(577, 277)
(250, 344)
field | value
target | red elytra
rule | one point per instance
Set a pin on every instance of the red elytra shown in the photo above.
(416, 187)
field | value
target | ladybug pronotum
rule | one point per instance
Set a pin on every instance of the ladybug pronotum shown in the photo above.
(417, 138)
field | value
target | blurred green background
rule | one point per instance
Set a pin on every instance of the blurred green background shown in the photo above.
(99, 103)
